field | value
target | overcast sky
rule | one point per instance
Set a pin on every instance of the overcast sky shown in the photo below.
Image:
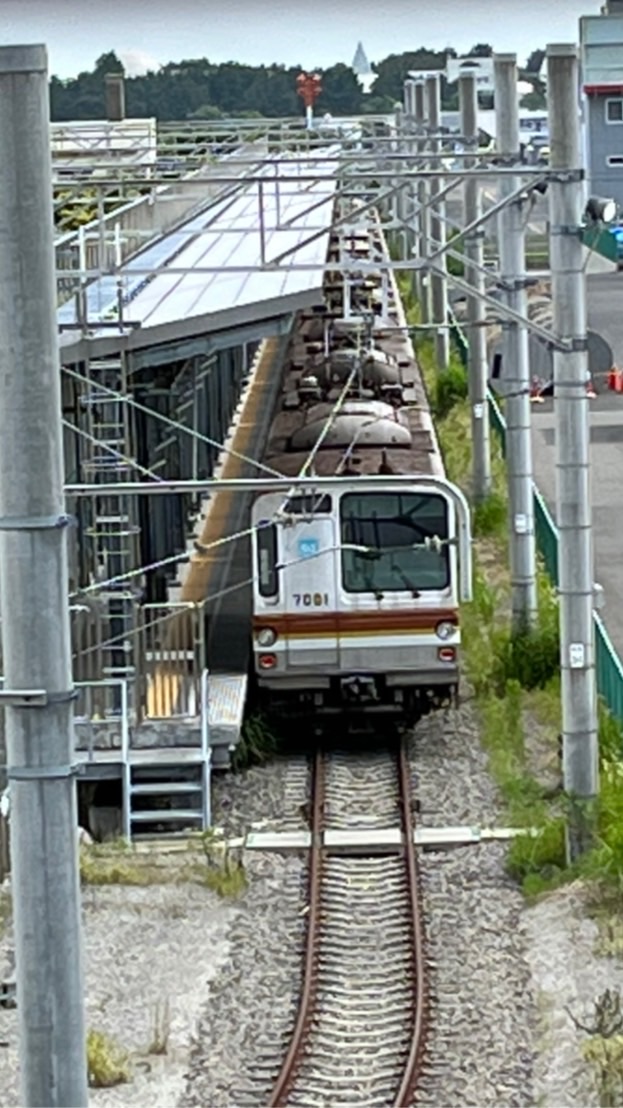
(321, 32)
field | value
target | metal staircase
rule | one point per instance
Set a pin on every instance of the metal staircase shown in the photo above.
(166, 791)
(166, 799)
(112, 531)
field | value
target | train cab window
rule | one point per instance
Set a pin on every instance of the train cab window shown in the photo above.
(268, 579)
(393, 527)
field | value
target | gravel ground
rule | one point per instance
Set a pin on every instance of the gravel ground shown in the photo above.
(561, 941)
(141, 948)
(482, 1043)
(501, 973)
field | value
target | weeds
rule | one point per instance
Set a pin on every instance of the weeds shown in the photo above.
(224, 872)
(99, 865)
(160, 1028)
(603, 1049)
(515, 674)
(258, 743)
(107, 1063)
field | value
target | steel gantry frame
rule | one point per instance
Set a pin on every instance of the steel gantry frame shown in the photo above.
(78, 275)
(407, 175)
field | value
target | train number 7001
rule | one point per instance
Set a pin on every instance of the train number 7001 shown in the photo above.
(310, 599)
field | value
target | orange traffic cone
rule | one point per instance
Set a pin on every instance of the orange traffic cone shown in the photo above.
(535, 391)
(613, 377)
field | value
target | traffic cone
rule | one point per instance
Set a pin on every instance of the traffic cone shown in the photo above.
(535, 391)
(618, 384)
(613, 377)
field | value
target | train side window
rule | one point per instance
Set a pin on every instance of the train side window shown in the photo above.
(268, 579)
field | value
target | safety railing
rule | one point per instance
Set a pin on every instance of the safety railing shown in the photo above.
(104, 243)
(608, 667)
(170, 657)
(109, 692)
(206, 749)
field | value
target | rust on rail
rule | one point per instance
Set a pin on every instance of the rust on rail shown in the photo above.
(415, 1058)
(287, 1076)
(415, 1054)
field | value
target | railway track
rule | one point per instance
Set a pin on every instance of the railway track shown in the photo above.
(359, 1033)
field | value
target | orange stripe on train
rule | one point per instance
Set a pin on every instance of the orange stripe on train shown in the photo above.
(402, 622)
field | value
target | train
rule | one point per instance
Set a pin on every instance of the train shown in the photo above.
(357, 582)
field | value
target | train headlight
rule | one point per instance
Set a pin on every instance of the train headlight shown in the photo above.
(266, 637)
(444, 630)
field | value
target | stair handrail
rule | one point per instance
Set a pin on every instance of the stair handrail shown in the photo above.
(205, 713)
(125, 722)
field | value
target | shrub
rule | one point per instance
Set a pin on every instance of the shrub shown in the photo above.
(450, 388)
(490, 516)
(107, 1063)
(258, 743)
(530, 657)
(536, 859)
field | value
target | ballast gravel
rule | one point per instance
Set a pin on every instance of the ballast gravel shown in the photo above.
(502, 975)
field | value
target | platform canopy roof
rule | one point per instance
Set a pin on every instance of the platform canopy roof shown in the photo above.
(252, 226)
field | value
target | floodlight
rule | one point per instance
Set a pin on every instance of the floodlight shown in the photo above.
(600, 209)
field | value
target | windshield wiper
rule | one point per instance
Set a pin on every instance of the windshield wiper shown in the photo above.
(405, 580)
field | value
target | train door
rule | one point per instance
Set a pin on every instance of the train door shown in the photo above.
(309, 591)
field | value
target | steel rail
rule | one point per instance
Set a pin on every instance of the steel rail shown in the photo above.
(415, 1057)
(292, 1060)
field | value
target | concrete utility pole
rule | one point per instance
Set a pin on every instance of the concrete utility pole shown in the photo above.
(114, 89)
(423, 219)
(573, 503)
(38, 692)
(410, 188)
(400, 197)
(515, 354)
(437, 225)
(476, 310)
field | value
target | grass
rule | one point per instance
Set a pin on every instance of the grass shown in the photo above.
(516, 677)
(223, 871)
(114, 864)
(208, 860)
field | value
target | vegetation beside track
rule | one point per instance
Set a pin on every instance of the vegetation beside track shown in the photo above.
(515, 678)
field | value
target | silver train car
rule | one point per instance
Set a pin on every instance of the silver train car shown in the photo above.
(357, 583)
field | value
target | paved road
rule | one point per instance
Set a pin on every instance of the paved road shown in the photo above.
(605, 308)
(605, 292)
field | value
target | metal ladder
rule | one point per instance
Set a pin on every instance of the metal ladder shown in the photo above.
(112, 531)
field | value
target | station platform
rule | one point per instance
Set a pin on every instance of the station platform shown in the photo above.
(165, 765)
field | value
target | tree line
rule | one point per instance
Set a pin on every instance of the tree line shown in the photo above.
(200, 89)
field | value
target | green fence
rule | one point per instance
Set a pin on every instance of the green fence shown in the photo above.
(601, 241)
(607, 662)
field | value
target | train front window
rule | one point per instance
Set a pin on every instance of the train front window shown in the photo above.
(266, 539)
(392, 529)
